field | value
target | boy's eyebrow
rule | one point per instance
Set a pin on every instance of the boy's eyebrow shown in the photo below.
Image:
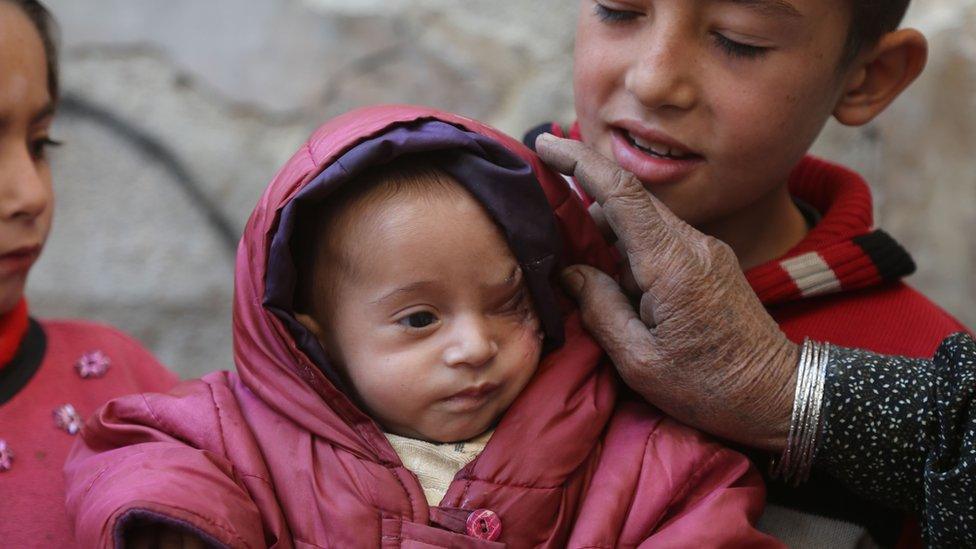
(780, 8)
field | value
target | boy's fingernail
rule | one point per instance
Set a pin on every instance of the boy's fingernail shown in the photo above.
(573, 280)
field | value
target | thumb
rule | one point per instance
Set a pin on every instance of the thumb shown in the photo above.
(611, 320)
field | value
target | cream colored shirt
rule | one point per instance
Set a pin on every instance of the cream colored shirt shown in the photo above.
(436, 464)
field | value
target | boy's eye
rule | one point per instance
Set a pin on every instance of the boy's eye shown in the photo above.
(609, 15)
(418, 320)
(738, 49)
(38, 147)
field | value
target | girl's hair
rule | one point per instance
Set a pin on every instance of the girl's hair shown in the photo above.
(47, 27)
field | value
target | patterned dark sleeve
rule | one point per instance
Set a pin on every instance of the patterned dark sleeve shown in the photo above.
(903, 432)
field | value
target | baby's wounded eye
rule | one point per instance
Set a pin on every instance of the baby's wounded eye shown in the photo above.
(419, 320)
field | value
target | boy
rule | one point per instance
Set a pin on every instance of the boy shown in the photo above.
(713, 104)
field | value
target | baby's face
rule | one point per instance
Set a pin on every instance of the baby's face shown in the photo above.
(430, 318)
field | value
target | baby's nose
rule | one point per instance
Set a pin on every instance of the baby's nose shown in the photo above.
(473, 345)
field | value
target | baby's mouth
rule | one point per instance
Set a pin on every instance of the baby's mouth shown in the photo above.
(472, 399)
(658, 150)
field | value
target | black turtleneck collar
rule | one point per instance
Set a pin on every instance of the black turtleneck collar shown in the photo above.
(15, 375)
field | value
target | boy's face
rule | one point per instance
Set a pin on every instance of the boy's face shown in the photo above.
(710, 103)
(429, 316)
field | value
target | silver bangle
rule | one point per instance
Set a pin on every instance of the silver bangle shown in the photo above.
(806, 423)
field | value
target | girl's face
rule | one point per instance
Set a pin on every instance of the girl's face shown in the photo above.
(430, 318)
(26, 111)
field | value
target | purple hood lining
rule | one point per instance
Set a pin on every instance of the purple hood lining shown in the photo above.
(498, 179)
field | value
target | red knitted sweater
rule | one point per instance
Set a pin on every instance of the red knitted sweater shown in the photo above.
(56, 363)
(840, 284)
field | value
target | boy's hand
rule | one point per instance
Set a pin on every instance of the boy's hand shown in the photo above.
(702, 347)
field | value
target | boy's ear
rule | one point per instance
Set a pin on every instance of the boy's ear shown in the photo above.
(880, 75)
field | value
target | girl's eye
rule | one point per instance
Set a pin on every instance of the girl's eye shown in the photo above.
(38, 147)
(738, 49)
(608, 15)
(418, 320)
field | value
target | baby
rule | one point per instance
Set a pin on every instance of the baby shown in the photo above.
(419, 304)
(408, 375)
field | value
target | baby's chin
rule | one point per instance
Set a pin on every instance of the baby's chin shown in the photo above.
(447, 434)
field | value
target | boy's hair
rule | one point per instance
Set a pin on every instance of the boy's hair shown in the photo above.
(872, 19)
(412, 176)
(46, 26)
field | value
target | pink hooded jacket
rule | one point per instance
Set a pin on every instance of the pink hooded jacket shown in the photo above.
(277, 454)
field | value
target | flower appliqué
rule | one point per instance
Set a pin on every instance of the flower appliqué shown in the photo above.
(93, 364)
(68, 419)
(6, 456)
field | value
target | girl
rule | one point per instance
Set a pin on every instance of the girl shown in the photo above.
(52, 373)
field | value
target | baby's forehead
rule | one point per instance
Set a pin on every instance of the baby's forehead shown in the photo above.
(392, 202)
(404, 217)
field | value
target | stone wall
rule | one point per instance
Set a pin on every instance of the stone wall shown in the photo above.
(178, 113)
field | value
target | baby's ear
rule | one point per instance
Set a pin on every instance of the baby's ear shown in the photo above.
(310, 324)
(879, 75)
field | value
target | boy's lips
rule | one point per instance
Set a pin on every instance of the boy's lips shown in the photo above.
(655, 158)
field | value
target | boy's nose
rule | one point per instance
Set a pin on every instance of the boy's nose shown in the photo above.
(473, 345)
(661, 78)
(24, 191)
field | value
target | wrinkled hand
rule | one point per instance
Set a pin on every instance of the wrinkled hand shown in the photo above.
(701, 348)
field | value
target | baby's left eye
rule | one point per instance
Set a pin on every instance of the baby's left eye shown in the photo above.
(418, 320)
(514, 303)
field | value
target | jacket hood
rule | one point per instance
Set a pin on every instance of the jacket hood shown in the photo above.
(545, 225)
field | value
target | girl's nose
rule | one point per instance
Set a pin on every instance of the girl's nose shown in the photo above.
(473, 345)
(24, 191)
(662, 78)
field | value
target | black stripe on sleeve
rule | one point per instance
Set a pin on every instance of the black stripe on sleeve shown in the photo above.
(891, 259)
